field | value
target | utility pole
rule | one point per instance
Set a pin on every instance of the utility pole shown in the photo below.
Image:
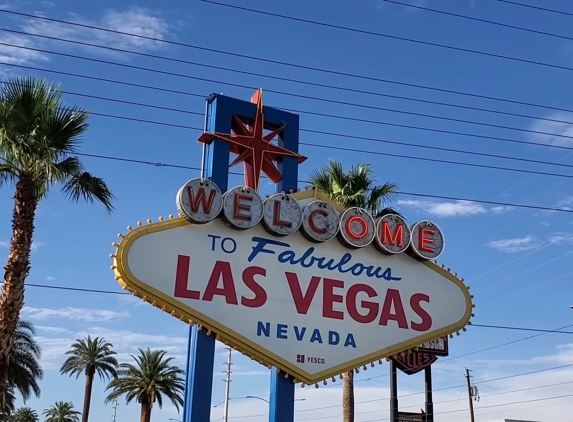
(115, 404)
(228, 385)
(470, 395)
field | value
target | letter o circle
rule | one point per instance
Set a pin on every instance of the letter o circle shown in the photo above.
(357, 228)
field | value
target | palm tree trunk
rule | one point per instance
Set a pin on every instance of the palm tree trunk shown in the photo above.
(145, 412)
(348, 397)
(88, 394)
(16, 270)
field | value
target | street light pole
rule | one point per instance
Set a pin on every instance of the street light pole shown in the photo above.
(227, 386)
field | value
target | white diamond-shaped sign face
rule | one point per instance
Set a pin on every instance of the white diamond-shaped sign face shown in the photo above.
(313, 310)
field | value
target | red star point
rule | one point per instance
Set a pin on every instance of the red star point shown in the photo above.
(252, 147)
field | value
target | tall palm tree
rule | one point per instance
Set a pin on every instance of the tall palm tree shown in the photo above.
(25, 414)
(39, 136)
(149, 380)
(90, 356)
(61, 411)
(353, 188)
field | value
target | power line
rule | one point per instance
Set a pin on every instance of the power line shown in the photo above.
(284, 63)
(393, 37)
(502, 327)
(472, 18)
(83, 290)
(414, 194)
(522, 374)
(321, 85)
(487, 349)
(544, 9)
(486, 407)
(445, 401)
(496, 138)
(401, 156)
(431, 116)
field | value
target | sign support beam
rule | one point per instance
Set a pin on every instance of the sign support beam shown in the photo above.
(429, 417)
(393, 392)
(201, 347)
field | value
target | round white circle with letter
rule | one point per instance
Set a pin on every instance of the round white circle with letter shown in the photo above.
(392, 234)
(199, 201)
(319, 221)
(427, 240)
(242, 207)
(357, 228)
(282, 214)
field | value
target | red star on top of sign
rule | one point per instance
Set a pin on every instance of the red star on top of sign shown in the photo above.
(253, 147)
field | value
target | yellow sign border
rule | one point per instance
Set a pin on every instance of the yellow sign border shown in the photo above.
(171, 305)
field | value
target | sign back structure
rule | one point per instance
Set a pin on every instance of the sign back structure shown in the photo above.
(411, 362)
(294, 281)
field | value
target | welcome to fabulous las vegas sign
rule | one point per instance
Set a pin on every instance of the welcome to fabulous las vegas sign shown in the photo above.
(294, 280)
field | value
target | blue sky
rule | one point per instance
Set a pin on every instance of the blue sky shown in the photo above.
(516, 260)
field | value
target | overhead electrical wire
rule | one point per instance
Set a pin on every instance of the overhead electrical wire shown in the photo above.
(158, 164)
(297, 81)
(415, 194)
(474, 352)
(501, 139)
(283, 63)
(531, 6)
(451, 162)
(448, 401)
(389, 36)
(111, 292)
(522, 374)
(485, 407)
(180, 75)
(473, 18)
(384, 154)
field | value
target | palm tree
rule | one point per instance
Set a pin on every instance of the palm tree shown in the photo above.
(7, 405)
(24, 370)
(89, 356)
(61, 411)
(25, 414)
(38, 139)
(353, 188)
(149, 380)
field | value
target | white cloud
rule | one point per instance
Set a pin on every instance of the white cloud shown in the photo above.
(49, 329)
(50, 278)
(445, 209)
(80, 314)
(137, 20)
(55, 345)
(15, 55)
(553, 127)
(559, 237)
(514, 245)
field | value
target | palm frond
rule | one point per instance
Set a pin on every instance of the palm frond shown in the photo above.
(89, 188)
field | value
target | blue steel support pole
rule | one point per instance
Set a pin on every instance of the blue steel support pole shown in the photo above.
(201, 347)
(281, 407)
